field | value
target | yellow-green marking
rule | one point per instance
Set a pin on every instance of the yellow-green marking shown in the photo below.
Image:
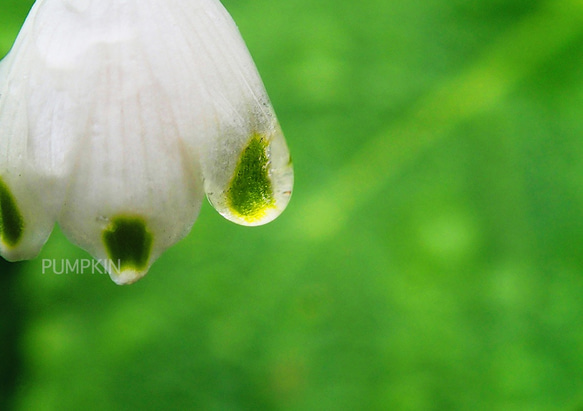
(11, 221)
(251, 193)
(128, 241)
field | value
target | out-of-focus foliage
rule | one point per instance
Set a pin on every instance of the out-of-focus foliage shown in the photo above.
(431, 258)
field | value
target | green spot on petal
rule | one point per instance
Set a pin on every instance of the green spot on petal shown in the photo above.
(11, 221)
(128, 242)
(250, 193)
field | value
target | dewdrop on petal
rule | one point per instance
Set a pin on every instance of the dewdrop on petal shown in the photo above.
(116, 117)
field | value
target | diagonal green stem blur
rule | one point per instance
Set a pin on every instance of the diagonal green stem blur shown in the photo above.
(482, 85)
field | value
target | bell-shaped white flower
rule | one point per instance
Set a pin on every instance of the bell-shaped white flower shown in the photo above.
(116, 116)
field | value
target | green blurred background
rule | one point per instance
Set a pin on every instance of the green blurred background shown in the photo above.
(431, 257)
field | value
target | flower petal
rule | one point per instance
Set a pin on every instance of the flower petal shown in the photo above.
(134, 188)
(245, 161)
(29, 188)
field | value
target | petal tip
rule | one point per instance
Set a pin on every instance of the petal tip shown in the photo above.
(126, 276)
(11, 221)
(254, 195)
(128, 243)
(250, 194)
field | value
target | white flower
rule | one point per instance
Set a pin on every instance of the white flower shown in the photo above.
(116, 116)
